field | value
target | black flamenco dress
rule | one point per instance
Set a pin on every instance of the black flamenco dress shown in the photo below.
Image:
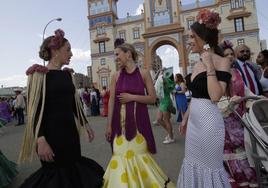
(69, 169)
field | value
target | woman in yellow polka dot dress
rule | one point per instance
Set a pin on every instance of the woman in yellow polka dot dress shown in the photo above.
(129, 128)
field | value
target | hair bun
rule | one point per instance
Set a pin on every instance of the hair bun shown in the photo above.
(118, 42)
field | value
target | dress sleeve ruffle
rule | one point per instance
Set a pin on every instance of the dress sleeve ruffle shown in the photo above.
(36, 68)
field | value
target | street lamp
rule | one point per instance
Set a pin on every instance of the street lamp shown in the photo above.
(55, 19)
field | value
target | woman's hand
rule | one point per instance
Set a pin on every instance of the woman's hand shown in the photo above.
(236, 99)
(108, 133)
(90, 133)
(206, 57)
(183, 127)
(125, 98)
(44, 150)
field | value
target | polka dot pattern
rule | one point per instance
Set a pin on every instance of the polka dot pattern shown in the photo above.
(119, 140)
(124, 178)
(132, 166)
(203, 163)
(113, 164)
(130, 154)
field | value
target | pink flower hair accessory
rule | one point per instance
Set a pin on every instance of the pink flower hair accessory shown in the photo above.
(209, 18)
(57, 40)
(226, 44)
(70, 70)
(36, 68)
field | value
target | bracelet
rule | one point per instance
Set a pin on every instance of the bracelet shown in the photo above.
(211, 74)
(213, 70)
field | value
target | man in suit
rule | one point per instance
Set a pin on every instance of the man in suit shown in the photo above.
(248, 71)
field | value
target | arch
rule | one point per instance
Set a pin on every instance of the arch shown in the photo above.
(160, 42)
(166, 40)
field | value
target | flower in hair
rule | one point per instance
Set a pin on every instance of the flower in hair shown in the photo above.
(36, 68)
(209, 18)
(206, 47)
(57, 39)
(226, 44)
(70, 70)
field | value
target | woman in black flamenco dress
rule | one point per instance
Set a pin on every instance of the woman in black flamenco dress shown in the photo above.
(57, 118)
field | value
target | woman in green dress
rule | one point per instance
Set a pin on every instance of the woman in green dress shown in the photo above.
(166, 105)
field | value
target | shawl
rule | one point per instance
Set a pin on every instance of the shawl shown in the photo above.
(36, 91)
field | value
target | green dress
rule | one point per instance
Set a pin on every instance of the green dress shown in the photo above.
(169, 86)
(7, 170)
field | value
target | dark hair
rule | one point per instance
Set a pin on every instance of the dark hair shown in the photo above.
(118, 42)
(210, 36)
(265, 55)
(179, 77)
(45, 48)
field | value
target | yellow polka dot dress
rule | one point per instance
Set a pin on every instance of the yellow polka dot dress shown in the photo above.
(132, 166)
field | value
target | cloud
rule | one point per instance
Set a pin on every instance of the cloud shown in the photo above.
(14, 80)
(169, 57)
(81, 55)
(34, 61)
(138, 10)
(80, 60)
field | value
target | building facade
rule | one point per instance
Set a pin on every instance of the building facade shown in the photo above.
(163, 22)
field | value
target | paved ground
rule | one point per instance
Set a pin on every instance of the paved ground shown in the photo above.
(169, 157)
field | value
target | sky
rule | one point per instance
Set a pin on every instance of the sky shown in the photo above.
(22, 24)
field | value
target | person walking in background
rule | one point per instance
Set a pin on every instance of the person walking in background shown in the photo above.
(129, 128)
(241, 174)
(86, 101)
(181, 101)
(247, 70)
(55, 118)
(203, 163)
(98, 98)
(262, 60)
(94, 102)
(105, 100)
(166, 85)
(19, 106)
(5, 110)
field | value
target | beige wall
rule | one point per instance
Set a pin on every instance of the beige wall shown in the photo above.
(180, 16)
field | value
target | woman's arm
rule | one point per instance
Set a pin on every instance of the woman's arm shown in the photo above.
(150, 98)
(183, 88)
(216, 89)
(183, 126)
(108, 132)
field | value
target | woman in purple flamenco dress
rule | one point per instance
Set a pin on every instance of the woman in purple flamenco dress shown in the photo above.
(241, 174)
(4, 110)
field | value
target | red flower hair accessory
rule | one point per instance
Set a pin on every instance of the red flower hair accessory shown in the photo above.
(209, 18)
(57, 40)
(36, 68)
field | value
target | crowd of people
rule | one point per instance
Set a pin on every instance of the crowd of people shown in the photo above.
(215, 154)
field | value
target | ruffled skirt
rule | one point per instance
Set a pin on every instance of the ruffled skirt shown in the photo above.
(7, 170)
(132, 166)
(203, 163)
(85, 173)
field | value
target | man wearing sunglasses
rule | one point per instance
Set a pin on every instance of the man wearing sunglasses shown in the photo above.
(248, 71)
